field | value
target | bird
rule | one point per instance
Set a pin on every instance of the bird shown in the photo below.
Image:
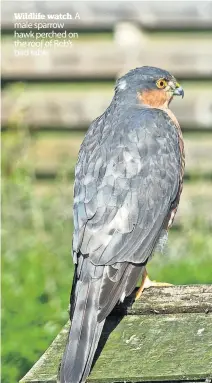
(128, 182)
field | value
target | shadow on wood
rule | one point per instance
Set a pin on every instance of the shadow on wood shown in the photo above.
(165, 336)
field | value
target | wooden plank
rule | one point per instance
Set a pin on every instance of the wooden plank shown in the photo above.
(147, 347)
(161, 348)
(105, 60)
(170, 300)
(151, 15)
(53, 154)
(50, 154)
(70, 107)
(194, 208)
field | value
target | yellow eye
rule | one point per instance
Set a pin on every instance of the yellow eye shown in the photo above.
(161, 83)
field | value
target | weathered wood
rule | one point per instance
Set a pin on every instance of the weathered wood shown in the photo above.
(194, 209)
(195, 205)
(185, 58)
(50, 154)
(76, 107)
(170, 300)
(166, 347)
(151, 15)
(174, 344)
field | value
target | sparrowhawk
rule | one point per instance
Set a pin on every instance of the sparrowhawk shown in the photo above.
(128, 181)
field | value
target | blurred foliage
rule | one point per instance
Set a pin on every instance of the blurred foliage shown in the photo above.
(36, 262)
(187, 258)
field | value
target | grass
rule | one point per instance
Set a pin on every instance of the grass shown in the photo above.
(37, 272)
(187, 258)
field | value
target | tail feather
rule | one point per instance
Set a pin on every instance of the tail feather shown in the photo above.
(84, 334)
(97, 334)
(93, 297)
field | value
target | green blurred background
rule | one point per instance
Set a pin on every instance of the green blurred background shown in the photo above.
(45, 114)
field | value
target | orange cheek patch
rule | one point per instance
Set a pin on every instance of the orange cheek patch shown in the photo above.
(154, 98)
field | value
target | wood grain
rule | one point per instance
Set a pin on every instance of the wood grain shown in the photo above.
(171, 341)
(194, 209)
(151, 15)
(75, 107)
(50, 154)
(169, 300)
(107, 59)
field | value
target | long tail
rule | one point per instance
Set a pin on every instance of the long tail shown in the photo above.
(95, 292)
(84, 333)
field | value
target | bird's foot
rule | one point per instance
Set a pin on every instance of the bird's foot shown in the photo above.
(146, 283)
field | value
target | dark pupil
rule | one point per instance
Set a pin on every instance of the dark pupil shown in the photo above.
(161, 83)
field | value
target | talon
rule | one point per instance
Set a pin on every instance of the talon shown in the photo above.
(146, 283)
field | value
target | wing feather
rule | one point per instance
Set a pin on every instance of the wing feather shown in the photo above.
(127, 178)
(125, 187)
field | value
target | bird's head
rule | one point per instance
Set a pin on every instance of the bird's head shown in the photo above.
(150, 86)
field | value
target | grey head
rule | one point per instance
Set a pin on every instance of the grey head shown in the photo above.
(144, 79)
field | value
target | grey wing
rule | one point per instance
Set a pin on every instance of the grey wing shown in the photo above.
(127, 178)
(124, 189)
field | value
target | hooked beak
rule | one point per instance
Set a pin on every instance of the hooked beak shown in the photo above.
(178, 91)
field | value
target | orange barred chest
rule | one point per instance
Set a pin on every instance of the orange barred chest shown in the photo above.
(181, 142)
(182, 155)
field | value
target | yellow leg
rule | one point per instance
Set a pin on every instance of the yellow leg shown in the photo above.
(146, 283)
